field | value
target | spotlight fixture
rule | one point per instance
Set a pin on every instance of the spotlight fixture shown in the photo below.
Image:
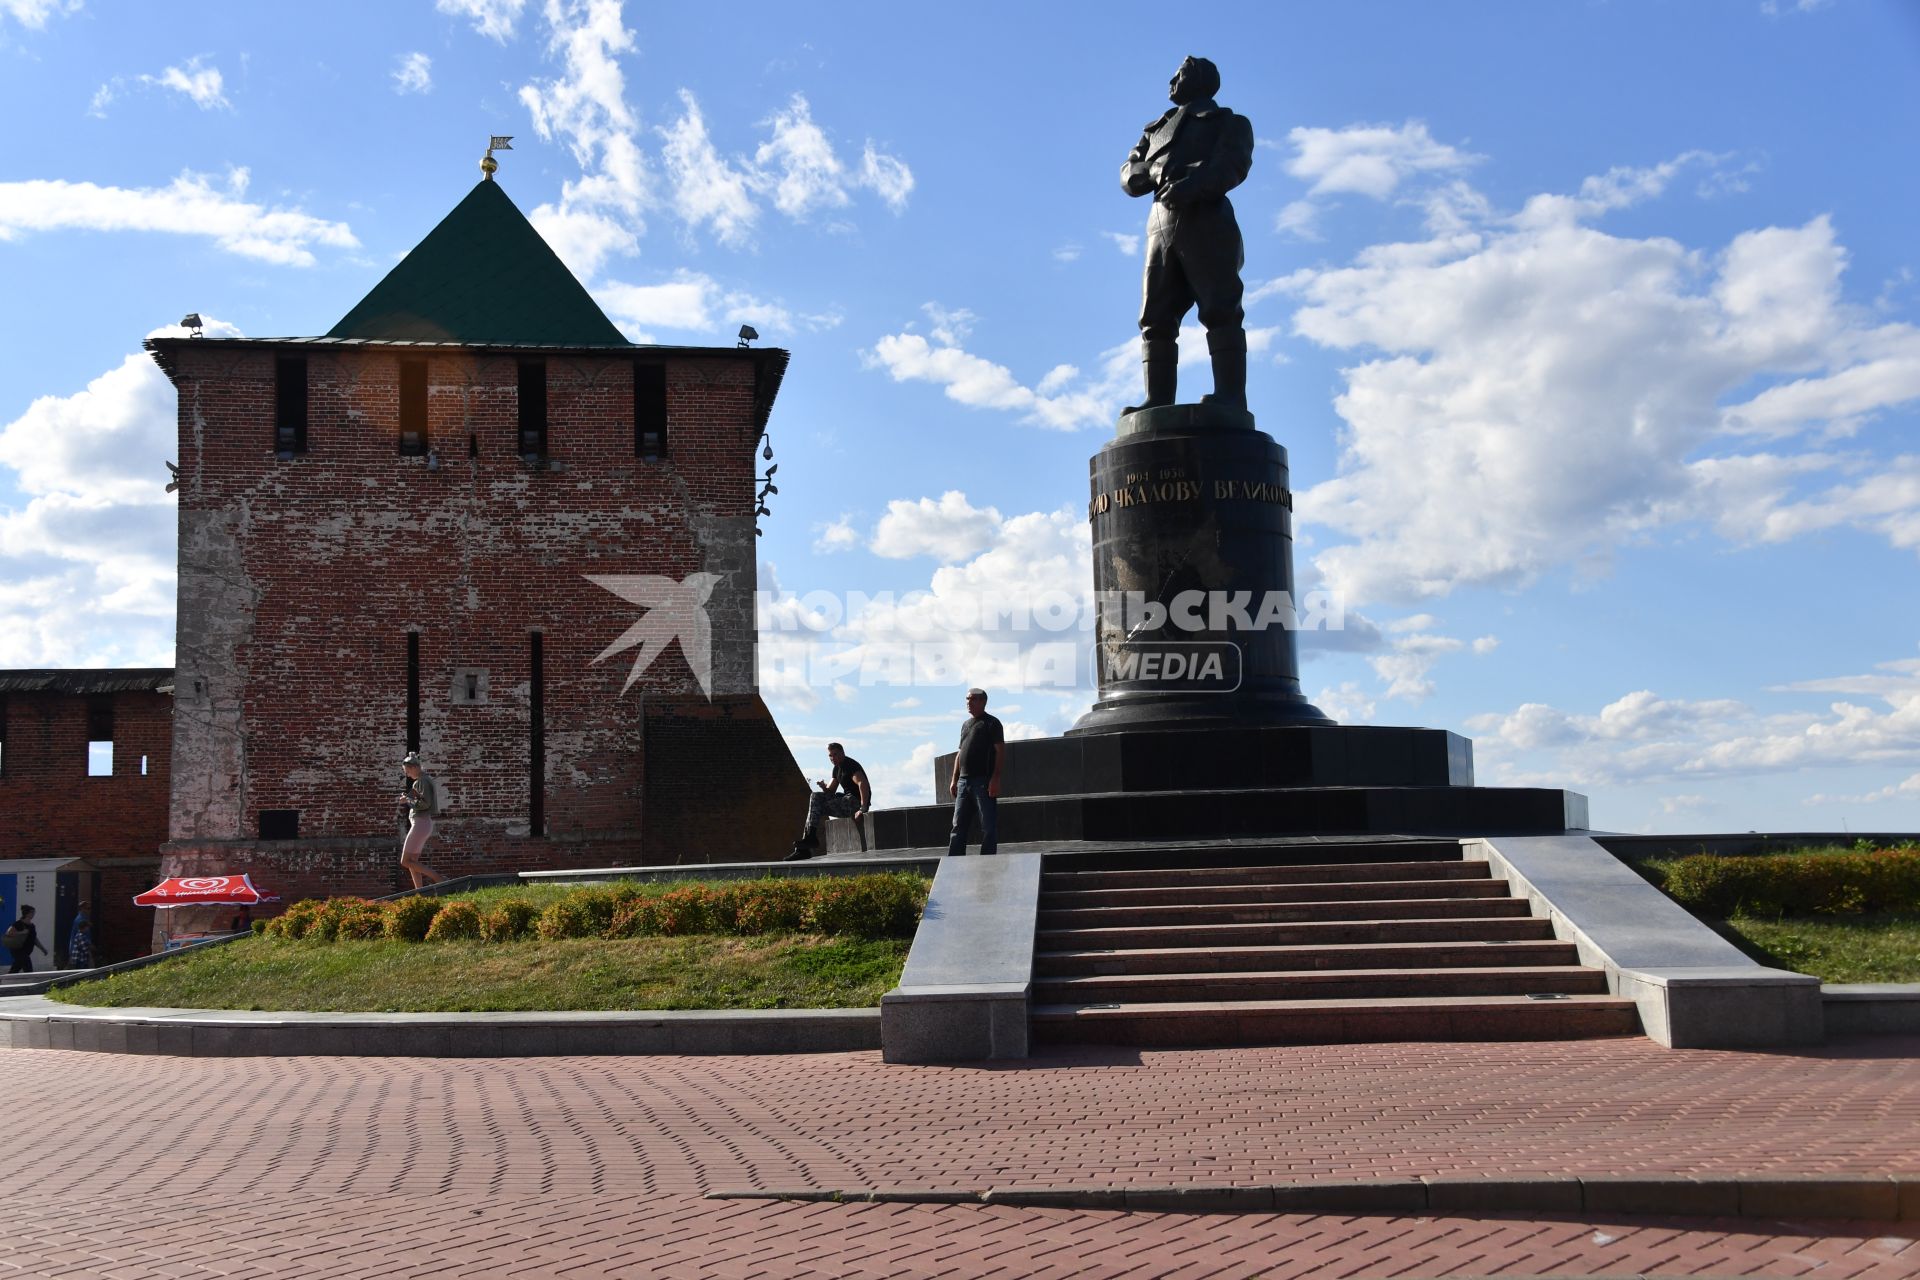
(192, 321)
(747, 334)
(433, 459)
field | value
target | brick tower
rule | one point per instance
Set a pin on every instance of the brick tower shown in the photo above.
(389, 540)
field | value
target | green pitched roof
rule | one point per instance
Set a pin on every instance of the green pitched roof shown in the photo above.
(483, 275)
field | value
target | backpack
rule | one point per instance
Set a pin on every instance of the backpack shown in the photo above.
(436, 798)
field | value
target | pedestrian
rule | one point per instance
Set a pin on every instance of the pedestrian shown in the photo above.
(976, 777)
(80, 940)
(421, 800)
(20, 939)
(846, 795)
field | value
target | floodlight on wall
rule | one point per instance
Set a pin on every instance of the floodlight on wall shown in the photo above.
(748, 334)
(192, 321)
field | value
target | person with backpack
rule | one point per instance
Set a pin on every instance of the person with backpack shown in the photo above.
(421, 801)
(20, 939)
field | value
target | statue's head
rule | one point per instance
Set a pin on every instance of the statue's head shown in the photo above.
(1197, 78)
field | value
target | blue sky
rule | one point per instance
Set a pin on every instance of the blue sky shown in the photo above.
(1589, 328)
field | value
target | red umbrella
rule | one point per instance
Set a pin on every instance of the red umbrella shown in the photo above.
(185, 891)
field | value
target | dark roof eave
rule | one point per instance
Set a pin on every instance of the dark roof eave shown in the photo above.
(770, 363)
(83, 680)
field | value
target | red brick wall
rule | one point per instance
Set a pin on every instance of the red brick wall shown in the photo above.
(300, 580)
(50, 808)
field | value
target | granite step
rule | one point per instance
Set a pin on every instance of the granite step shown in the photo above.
(1305, 933)
(1471, 954)
(1257, 855)
(1310, 873)
(1346, 1021)
(1318, 891)
(1331, 984)
(1172, 915)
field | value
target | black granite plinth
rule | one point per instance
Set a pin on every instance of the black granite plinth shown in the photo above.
(1231, 759)
(1270, 812)
(1193, 575)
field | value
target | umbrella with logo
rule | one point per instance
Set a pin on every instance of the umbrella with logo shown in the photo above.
(201, 891)
(188, 891)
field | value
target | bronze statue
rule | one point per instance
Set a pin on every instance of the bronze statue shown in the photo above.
(1189, 159)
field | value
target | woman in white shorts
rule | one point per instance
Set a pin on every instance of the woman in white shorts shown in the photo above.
(422, 800)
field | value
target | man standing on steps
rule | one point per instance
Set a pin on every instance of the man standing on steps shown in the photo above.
(1188, 160)
(976, 777)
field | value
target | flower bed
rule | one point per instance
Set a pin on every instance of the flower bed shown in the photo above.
(881, 905)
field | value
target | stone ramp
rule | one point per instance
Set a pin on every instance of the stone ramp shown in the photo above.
(1379, 945)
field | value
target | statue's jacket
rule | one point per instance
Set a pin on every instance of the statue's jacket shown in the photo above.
(1202, 142)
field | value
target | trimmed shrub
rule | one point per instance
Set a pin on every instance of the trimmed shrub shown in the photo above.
(583, 913)
(334, 912)
(456, 919)
(874, 906)
(259, 927)
(409, 919)
(297, 920)
(771, 906)
(1798, 884)
(362, 924)
(509, 921)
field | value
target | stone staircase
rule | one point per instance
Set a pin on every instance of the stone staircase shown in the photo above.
(1332, 942)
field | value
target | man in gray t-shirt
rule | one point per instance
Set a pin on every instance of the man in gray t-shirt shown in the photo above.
(976, 777)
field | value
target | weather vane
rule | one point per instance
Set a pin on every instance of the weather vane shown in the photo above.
(487, 163)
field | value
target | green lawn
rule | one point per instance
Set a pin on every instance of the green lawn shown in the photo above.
(1882, 947)
(767, 972)
(1863, 948)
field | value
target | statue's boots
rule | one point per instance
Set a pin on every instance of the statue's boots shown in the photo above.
(1161, 360)
(1229, 351)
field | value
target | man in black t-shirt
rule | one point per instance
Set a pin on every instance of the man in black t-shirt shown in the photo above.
(846, 795)
(976, 777)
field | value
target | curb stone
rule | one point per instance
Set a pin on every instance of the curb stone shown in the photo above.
(1796, 1197)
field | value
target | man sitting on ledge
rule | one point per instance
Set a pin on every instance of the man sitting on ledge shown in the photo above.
(846, 795)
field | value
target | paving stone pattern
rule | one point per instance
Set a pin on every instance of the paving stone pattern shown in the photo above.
(246, 1167)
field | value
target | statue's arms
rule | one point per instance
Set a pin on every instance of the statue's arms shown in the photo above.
(1135, 180)
(1223, 170)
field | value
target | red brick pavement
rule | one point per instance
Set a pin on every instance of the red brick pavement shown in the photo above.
(253, 1167)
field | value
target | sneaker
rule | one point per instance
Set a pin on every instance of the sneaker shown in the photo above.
(801, 852)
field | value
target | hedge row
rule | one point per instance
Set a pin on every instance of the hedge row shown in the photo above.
(868, 906)
(1798, 884)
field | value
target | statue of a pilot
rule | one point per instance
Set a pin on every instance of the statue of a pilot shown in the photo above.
(1188, 160)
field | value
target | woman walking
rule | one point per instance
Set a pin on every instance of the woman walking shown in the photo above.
(421, 798)
(20, 940)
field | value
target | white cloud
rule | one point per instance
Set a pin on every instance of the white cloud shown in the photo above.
(1067, 253)
(1530, 395)
(190, 205)
(34, 14)
(87, 564)
(980, 383)
(837, 535)
(1348, 703)
(493, 19)
(602, 213)
(707, 187)
(202, 84)
(1003, 609)
(802, 168)
(1128, 245)
(1643, 737)
(698, 303)
(585, 107)
(949, 529)
(413, 73)
(1369, 159)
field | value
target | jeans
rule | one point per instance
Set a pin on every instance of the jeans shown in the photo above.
(823, 804)
(972, 793)
(22, 961)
